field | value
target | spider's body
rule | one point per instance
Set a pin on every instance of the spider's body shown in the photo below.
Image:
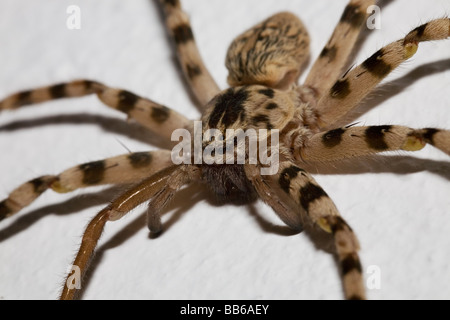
(255, 107)
(264, 65)
(258, 107)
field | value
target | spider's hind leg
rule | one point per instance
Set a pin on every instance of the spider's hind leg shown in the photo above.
(196, 74)
(334, 56)
(123, 169)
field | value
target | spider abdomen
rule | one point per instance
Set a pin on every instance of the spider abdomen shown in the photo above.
(271, 53)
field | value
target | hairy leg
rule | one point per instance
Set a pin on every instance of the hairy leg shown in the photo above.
(198, 77)
(163, 196)
(120, 206)
(351, 142)
(319, 209)
(334, 56)
(346, 93)
(128, 168)
(266, 192)
(156, 117)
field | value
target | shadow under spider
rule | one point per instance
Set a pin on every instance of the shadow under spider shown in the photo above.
(397, 164)
(110, 124)
(392, 88)
(71, 206)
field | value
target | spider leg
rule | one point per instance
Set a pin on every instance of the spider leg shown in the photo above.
(196, 74)
(301, 189)
(128, 168)
(346, 93)
(267, 194)
(334, 56)
(123, 204)
(350, 142)
(162, 197)
(156, 117)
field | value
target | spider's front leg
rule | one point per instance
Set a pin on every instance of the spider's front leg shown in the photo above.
(154, 116)
(196, 74)
(303, 190)
(347, 92)
(161, 186)
(129, 168)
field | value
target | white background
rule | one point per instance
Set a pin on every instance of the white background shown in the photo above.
(399, 207)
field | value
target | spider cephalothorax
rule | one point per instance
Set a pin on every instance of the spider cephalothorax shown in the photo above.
(291, 125)
(252, 108)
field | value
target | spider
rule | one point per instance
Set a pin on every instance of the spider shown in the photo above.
(309, 127)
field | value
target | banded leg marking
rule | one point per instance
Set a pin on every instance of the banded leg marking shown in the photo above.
(346, 93)
(77, 88)
(116, 170)
(320, 209)
(351, 142)
(333, 58)
(156, 117)
(196, 74)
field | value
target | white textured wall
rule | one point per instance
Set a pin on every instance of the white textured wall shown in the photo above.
(209, 252)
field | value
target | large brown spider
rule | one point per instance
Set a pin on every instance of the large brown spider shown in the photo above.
(319, 147)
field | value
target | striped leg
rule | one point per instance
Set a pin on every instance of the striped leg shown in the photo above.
(127, 168)
(152, 115)
(198, 77)
(346, 93)
(350, 142)
(143, 191)
(334, 56)
(300, 187)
